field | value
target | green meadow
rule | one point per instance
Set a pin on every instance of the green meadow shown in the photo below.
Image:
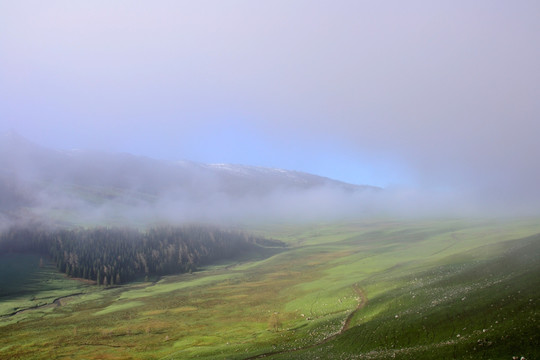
(404, 289)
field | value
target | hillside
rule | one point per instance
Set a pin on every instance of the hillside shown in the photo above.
(463, 289)
(61, 184)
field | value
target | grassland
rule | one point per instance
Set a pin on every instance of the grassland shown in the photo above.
(28, 281)
(433, 289)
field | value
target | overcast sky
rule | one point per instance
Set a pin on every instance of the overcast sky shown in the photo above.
(441, 95)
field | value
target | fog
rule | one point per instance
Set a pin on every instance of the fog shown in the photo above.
(54, 206)
(435, 102)
(54, 188)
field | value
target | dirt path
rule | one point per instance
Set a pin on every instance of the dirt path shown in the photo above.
(455, 238)
(362, 301)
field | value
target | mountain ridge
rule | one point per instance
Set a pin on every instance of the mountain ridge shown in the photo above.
(37, 177)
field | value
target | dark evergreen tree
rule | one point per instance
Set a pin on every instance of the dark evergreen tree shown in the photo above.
(114, 255)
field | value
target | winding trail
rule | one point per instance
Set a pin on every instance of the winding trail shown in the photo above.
(362, 301)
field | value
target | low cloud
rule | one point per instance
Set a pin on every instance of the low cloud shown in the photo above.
(445, 95)
(317, 204)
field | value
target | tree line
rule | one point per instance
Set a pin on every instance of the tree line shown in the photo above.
(112, 256)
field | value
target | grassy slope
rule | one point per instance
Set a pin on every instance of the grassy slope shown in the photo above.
(467, 308)
(24, 284)
(440, 278)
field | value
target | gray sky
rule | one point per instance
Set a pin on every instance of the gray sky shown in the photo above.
(437, 95)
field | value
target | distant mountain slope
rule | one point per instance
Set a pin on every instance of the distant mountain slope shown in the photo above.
(35, 177)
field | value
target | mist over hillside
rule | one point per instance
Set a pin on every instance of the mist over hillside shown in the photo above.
(38, 183)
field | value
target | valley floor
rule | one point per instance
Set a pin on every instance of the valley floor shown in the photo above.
(365, 290)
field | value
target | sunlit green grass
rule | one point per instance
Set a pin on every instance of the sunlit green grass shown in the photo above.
(28, 281)
(299, 297)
